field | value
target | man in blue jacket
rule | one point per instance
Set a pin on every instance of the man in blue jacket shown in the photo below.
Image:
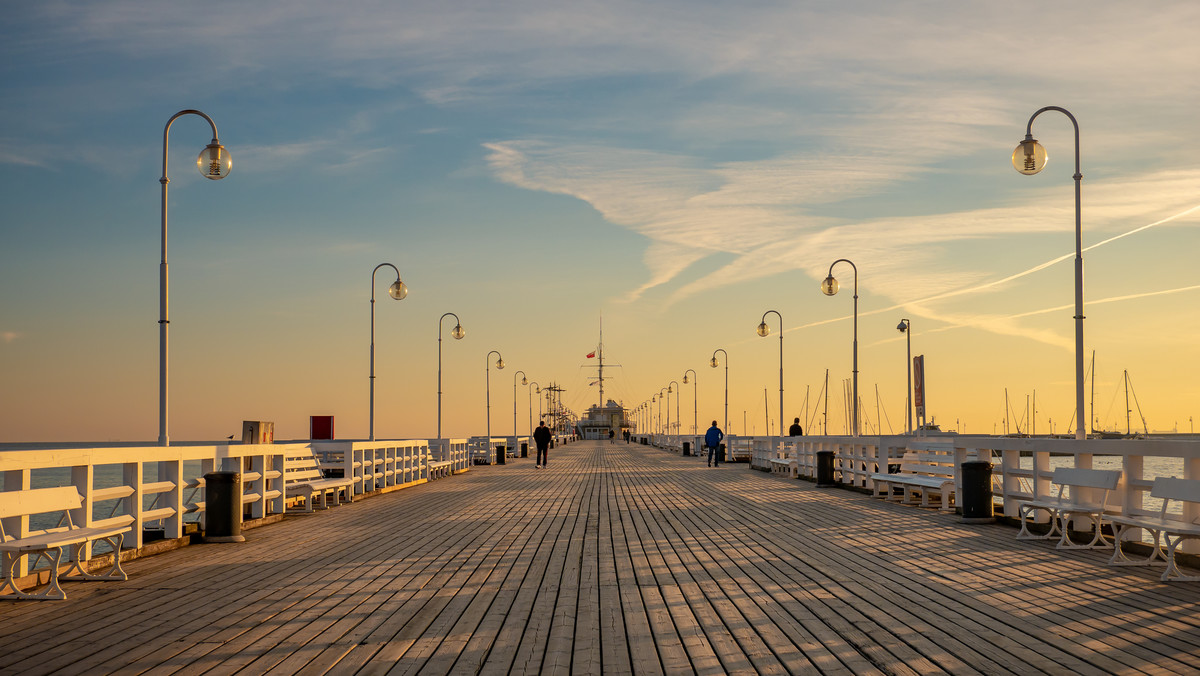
(712, 439)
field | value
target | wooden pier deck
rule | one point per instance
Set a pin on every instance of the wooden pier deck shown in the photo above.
(616, 559)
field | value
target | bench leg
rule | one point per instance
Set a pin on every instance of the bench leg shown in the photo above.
(52, 591)
(1172, 573)
(77, 572)
(1119, 559)
(1064, 542)
(1023, 513)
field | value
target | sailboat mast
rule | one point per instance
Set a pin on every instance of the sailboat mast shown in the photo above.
(600, 354)
(1128, 429)
(1092, 403)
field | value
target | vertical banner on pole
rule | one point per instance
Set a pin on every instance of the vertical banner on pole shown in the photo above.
(919, 389)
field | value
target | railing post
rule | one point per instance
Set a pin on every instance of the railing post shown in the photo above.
(131, 474)
(18, 480)
(83, 478)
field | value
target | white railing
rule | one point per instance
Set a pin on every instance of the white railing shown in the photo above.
(143, 485)
(513, 446)
(377, 465)
(483, 449)
(1021, 466)
(456, 451)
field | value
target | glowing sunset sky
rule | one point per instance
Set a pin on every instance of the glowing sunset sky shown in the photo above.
(680, 167)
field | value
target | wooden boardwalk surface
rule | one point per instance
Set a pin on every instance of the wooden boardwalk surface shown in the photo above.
(616, 559)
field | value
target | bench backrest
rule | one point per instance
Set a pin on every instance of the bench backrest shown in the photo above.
(39, 501)
(1070, 479)
(1167, 488)
(927, 462)
(1106, 479)
(301, 468)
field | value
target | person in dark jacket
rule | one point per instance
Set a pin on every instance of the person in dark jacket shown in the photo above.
(541, 437)
(712, 439)
(795, 430)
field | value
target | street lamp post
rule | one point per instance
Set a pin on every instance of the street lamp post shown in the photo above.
(488, 381)
(764, 331)
(398, 290)
(532, 386)
(665, 393)
(905, 327)
(524, 381)
(714, 363)
(678, 395)
(829, 287)
(695, 395)
(458, 332)
(215, 164)
(1029, 158)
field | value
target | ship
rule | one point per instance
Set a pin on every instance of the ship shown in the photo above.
(607, 419)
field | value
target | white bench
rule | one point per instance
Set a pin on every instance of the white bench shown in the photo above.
(440, 468)
(785, 462)
(927, 472)
(1175, 530)
(49, 543)
(1076, 497)
(303, 478)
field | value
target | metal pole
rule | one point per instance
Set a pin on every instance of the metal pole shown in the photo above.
(372, 424)
(1081, 429)
(515, 403)
(457, 322)
(164, 322)
(487, 369)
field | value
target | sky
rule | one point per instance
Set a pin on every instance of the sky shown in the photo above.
(674, 170)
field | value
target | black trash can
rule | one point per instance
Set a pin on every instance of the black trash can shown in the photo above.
(825, 469)
(501, 451)
(223, 507)
(687, 448)
(976, 497)
(524, 449)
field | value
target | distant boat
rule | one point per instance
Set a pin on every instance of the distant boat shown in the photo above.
(1128, 433)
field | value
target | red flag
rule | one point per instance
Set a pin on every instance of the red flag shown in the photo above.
(591, 354)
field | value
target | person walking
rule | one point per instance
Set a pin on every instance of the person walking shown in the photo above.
(712, 439)
(541, 437)
(795, 430)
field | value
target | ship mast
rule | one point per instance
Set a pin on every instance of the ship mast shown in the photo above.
(600, 354)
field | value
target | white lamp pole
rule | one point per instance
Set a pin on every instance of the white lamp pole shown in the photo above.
(764, 331)
(533, 384)
(678, 395)
(215, 164)
(829, 287)
(488, 380)
(458, 332)
(695, 395)
(398, 290)
(524, 381)
(1029, 158)
(714, 363)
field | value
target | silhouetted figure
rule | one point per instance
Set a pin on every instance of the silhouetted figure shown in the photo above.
(795, 430)
(712, 439)
(541, 437)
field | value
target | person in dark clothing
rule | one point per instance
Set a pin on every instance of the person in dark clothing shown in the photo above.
(541, 437)
(626, 436)
(795, 430)
(712, 439)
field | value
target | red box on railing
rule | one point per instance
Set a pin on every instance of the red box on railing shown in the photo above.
(320, 427)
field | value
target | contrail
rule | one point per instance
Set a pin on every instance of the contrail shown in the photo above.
(1060, 308)
(1018, 275)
